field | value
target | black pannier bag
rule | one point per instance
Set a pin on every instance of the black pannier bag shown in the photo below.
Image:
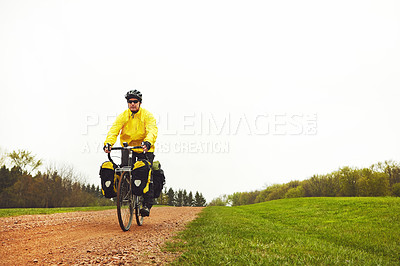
(108, 176)
(141, 175)
(158, 179)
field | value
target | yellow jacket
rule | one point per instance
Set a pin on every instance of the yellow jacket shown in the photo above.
(141, 127)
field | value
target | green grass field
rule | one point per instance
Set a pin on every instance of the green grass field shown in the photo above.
(303, 231)
(31, 211)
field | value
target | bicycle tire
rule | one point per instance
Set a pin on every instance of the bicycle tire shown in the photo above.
(125, 202)
(138, 206)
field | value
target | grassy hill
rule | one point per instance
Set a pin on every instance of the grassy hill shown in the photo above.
(312, 231)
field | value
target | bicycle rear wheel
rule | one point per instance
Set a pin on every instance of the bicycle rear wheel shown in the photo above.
(138, 206)
(125, 202)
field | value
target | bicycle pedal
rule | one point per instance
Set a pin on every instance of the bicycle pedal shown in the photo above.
(145, 212)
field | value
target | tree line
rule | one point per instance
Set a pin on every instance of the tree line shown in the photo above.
(181, 198)
(46, 190)
(23, 186)
(381, 179)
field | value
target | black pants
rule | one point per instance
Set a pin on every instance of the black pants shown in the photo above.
(149, 196)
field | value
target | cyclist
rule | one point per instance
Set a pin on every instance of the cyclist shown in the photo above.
(137, 127)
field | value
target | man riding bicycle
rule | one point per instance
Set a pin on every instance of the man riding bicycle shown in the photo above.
(137, 127)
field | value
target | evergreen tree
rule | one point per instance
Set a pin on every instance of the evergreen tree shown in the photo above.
(171, 197)
(199, 200)
(190, 199)
(7, 178)
(179, 198)
(185, 198)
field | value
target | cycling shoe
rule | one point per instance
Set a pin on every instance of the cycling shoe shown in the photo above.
(145, 211)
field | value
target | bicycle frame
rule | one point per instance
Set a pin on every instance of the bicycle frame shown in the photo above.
(127, 202)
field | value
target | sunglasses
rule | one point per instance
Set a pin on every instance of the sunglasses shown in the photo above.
(133, 101)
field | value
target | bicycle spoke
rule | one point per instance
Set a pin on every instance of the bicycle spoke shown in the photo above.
(124, 202)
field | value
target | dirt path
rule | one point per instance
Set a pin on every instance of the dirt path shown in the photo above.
(90, 238)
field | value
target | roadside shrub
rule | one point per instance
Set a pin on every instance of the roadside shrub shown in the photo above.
(296, 192)
(396, 190)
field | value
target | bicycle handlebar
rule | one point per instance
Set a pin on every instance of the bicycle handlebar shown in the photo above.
(127, 148)
(122, 148)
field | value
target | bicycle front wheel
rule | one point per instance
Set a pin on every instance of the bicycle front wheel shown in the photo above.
(125, 202)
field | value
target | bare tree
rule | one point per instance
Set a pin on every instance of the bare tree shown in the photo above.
(3, 156)
(23, 160)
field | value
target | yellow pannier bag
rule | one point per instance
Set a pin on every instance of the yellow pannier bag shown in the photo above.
(141, 174)
(108, 178)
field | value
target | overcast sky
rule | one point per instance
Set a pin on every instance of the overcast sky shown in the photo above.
(246, 93)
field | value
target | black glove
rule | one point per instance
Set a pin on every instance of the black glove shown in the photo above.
(147, 144)
(108, 146)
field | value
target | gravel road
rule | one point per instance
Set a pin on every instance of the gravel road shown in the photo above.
(90, 238)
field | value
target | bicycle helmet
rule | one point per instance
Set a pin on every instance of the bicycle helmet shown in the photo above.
(134, 94)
